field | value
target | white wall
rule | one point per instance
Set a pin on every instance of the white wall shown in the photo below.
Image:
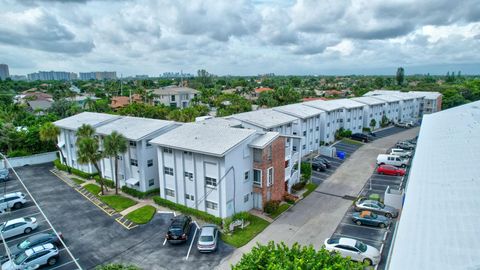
(392, 110)
(353, 119)
(69, 138)
(31, 160)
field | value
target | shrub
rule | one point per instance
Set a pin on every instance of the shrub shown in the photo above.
(187, 210)
(306, 170)
(77, 172)
(271, 206)
(114, 266)
(139, 194)
(366, 129)
(299, 186)
(18, 153)
(290, 198)
(106, 182)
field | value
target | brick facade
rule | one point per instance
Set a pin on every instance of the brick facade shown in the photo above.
(277, 189)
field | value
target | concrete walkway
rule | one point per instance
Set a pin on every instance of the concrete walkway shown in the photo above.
(315, 218)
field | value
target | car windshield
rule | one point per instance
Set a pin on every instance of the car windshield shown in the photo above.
(25, 244)
(20, 258)
(373, 215)
(381, 205)
(1, 226)
(176, 231)
(206, 238)
(361, 246)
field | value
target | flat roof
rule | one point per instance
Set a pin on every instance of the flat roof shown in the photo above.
(323, 105)
(134, 128)
(89, 118)
(220, 122)
(264, 140)
(368, 100)
(216, 141)
(299, 110)
(439, 224)
(388, 98)
(266, 118)
(173, 90)
(347, 103)
(427, 95)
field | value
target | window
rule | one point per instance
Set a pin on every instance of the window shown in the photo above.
(149, 144)
(348, 120)
(172, 98)
(311, 130)
(294, 133)
(133, 162)
(189, 197)
(167, 150)
(151, 182)
(168, 170)
(349, 110)
(187, 153)
(360, 117)
(294, 148)
(247, 176)
(188, 175)
(257, 177)
(119, 157)
(170, 192)
(211, 205)
(133, 143)
(304, 147)
(318, 116)
(246, 197)
(270, 176)
(289, 125)
(269, 152)
(316, 141)
(340, 120)
(150, 162)
(209, 181)
(257, 155)
(328, 124)
(305, 133)
(317, 128)
(371, 115)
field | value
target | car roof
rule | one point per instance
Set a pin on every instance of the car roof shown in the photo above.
(365, 213)
(11, 194)
(347, 241)
(36, 249)
(207, 230)
(370, 201)
(39, 236)
(14, 221)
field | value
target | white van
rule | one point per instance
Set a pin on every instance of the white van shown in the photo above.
(401, 153)
(392, 160)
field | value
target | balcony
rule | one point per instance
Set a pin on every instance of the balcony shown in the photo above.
(294, 177)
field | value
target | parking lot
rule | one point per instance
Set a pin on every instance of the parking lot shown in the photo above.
(95, 238)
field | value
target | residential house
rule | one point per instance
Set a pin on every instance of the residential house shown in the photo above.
(122, 101)
(173, 96)
(374, 110)
(330, 120)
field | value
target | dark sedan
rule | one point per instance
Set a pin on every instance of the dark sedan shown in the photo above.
(322, 160)
(361, 137)
(318, 166)
(370, 219)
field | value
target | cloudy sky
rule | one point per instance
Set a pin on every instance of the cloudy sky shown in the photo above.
(241, 37)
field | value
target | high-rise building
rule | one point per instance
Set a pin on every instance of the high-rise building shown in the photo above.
(52, 75)
(99, 75)
(4, 71)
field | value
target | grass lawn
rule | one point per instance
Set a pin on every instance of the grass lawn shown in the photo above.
(282, 208)
(92, 188)
(78, 181)
(310, 188)
(350, 141)
(242, 236)
(142, 215)
(117, 202)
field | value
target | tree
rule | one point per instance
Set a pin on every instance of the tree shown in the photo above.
(384, 122)
(115, 144)
(49, 133)
(88, 153)
(85, 131)
(281, 256)
(373, 123)
(400, 75)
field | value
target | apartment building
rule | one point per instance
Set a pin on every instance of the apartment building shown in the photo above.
(173, 96)
(308, 127)
(220, 170)
(391, 106)
(374, 109)
(352, 115)
(432, 102)
(330, 120)
(67, 138)
(137, 167)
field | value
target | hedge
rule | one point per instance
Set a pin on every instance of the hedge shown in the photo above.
(106, 182)
(77, 172)
(140, 194)
(187, 210)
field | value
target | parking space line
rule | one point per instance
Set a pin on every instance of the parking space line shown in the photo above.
(358, 238)
(193, 240)
(365, 227)
(164, 242)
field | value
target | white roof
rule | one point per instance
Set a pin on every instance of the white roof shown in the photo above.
(174, 90)
(299, 110)
(264, 140)
(368, 100)
(220, 122)
(323, 105)
(388, 98)
(427, 95)
(346, 103)
(192, 137)
(89, 118)
(134, 128)
(439, 224)
(266, 118)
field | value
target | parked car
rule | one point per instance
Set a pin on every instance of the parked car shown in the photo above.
(318, 166)
(400, 152)
(4, 175)
(376, 207)
(208, 239)
(390, 170)
(32, 258)
(14, 200)
(404, 124)
(18, 226)
(405, 145)
(361, 137)
(370, 219)
(179, 229)
(322, 160)
(393, 160)
(356, 250)
(32, 241)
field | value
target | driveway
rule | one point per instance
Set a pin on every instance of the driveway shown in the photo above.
(316, 217)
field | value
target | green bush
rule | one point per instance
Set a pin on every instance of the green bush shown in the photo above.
(77, 172)
(271, 206)
(310, 188)
(187, 210)
(106, 182)
(77, 181)
(18, 153)
(114, 266)
(366, 129)
(299, 186)
(306, 170)
(140, 194)
(342, 133)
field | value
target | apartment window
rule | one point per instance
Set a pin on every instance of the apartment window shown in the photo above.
(133, 143)
(328, 113)
(317, 128)
(150, 162)
(349, 110)
(246, 176)
(328, 124)
(270, 176)
(189, 197)
(340, 120)
(359, 117)
(304, 147)
(289, 125)
(269, 152)
(149, 144)
(167, 150)
(246, 197)
(316, 141)
(257, 177)
(170, 192)
(151, 182)
(294, 148)
(305, 133)
(294, 133)
(187, 153)
(172, 97)
(371, 115)
(133, 162)
(318, 116)
(348, 120)
(189, 175)
(211, 205)
(168, 170)
(209, 181)
(257, 155)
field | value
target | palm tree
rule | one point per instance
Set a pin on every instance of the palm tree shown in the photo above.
(85, 131)
(114, 145)
(88, 153)
(49, 133)
(90, 104)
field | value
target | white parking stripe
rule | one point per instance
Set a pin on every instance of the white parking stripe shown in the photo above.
(193, 240)
(358, 238)
(164, 242)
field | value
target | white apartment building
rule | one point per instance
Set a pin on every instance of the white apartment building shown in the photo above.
(67, 138)
(432, 102)
(391, 107)
(308, 127)
(330, 120)
(173, 96)
(137, 168)
(374, 109)
(352, 115)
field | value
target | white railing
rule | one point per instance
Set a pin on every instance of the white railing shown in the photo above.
(288, 171)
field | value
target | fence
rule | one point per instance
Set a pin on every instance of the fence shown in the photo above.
(31, 160)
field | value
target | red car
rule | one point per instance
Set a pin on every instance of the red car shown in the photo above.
(390, 170)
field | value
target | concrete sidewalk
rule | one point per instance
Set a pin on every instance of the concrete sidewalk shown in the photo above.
(315, 218)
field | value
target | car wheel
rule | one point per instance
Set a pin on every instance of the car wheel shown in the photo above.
(367, 261)
(52, 261)
(388, 215)
(382, 225)
(27, 230)
(17, 205)
(403, 165)
(358, 222)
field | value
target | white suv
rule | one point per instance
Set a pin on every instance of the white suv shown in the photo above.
(356, 250)
(33, 258)
(14, 200)
(401, 153)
